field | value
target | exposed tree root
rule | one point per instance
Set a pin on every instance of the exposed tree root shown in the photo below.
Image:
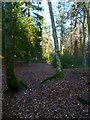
(15, 85)
(56, 76)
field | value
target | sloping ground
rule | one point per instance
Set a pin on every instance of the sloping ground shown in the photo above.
(56, 99)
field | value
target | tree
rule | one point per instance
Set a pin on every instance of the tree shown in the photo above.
(84, 97)
(84, 38)
(27, 48)
(61, 20)
(75, 31)
(87, 9)
(27, 34)
(59, 72)
(47, 47)
(0, 29)
(34, 31)
(88, 22)
(12, 82)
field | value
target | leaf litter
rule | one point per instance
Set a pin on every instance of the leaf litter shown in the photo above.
(56, 99)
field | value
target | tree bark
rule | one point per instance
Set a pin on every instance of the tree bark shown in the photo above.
(27, 42)
(59, 71)
(88, 22)
(76, 32)
(84, 41)
(87, 8)
(12, 82)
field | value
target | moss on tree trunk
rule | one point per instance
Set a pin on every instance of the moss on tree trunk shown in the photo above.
(13, 83)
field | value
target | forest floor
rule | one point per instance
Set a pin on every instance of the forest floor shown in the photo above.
(56, 99)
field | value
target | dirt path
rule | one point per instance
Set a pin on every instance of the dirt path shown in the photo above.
(56, 99)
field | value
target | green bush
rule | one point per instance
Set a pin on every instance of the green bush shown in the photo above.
(66, 60)
(69, 61)
(88, 60)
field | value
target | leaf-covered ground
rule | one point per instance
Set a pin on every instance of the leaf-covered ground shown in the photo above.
(56, 99)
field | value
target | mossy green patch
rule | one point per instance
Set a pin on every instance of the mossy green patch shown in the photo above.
(15, 84)
(56, 76)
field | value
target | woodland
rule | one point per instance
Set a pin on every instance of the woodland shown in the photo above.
(45, 66)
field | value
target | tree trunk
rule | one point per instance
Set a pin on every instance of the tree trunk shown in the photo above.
(87, 9)
(76, 33)
(59, 71)
(80, 39)
(12, 82)
(62, 39)
(27, 42)
(71, 37)
(88, 22)
(84, 42)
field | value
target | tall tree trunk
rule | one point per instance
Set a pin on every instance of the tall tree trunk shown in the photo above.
(76, 33)
(62, 39)
(12, 82)
(59, 71)
(88, 22)
(80, 39)
(84, 96)
(71, 37)
(0, 60)
(87, 8)
(27, 49)
(84, 41)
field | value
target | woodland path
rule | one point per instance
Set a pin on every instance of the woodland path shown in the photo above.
(56, 99)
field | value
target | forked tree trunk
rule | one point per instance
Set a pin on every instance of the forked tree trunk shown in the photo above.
(12, 82)
(59, 71)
